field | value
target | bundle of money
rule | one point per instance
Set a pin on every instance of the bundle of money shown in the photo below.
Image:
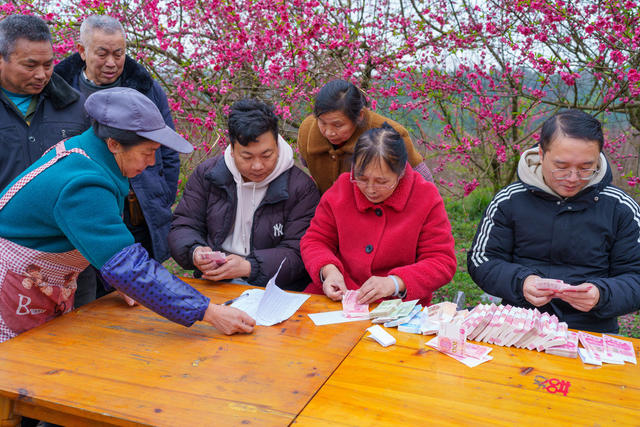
(593, 348)
(433, 315)
(385, 308)
(401, 310)
(568, 349)
(351, 308)
(415, 314)
(555, 285)
(452, 338)
(473, 356)
(623, 349)
(412, 325)
(218, 257)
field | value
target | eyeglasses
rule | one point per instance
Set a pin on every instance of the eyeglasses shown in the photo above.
(582, 174)
(375, 186)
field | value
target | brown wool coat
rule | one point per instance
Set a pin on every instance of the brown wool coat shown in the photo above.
(326, 164)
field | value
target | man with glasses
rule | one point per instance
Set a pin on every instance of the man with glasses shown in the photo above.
(563, 220)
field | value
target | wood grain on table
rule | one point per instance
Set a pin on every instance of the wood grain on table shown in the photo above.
(109, 363)
(412, 384)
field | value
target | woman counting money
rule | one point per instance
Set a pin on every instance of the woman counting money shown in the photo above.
(65, 212)
(327, 137)
(380, 229)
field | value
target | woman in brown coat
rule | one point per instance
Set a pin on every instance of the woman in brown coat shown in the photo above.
(326, 138)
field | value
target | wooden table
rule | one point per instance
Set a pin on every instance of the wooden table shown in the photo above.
(411, 384)
(106, 363)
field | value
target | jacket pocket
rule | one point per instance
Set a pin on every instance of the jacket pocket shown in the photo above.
(60, 130)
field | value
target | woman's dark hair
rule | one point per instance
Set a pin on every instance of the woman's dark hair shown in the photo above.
(126, 138)
(250, 118)
(383, 143)
(340, 95)
(574, 124)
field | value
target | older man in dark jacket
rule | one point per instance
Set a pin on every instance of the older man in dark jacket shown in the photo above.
(563, 220)
(251, 203)
(101, 63)
(37, 107)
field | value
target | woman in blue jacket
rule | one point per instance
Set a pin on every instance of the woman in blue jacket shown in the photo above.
(65, 212)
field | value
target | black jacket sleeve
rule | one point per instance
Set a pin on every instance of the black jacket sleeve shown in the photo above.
(490, 259)
(620, 292)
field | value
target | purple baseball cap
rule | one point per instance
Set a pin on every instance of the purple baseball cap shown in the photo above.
(127, 109)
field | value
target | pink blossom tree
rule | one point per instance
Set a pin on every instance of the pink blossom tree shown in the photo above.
(472, 79)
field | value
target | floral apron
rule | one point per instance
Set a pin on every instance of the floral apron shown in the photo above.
(35, 286)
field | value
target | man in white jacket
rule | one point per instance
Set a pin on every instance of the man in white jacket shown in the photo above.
(251, 203)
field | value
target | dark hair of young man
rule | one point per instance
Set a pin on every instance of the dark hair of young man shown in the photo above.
(573, 124)
(250, 118)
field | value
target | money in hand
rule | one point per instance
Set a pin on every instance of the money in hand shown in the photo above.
(215, 256)
(350, 306)
(555, 285)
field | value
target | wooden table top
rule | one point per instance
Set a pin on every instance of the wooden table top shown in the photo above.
(412, 384)
(109, 363)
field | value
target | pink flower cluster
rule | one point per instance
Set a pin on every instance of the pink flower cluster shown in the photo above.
(474, 83)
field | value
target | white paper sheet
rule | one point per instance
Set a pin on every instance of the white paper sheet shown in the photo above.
(332, 317)
(248, 301)
(270, 306)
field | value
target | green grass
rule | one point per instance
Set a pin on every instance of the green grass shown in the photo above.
(174, 268)
(464, 216)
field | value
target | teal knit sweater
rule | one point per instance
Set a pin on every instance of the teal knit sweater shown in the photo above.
(75, 204)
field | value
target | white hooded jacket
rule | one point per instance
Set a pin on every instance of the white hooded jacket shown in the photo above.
(250, 194)
(530, 171)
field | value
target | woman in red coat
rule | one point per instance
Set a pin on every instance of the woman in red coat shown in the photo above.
(381, 229)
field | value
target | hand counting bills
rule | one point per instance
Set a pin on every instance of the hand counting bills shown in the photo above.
(351, 308)
(216, 256)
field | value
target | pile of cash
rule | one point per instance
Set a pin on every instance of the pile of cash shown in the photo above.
(568, 349)
(396, 313)
(351, 308)
(605, 349)
(472, 356)
(216, 256)
(508, 326)
(502, 325)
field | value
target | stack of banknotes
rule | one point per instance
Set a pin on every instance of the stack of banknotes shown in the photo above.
(500, 325)
(605, 349)
(351, 308)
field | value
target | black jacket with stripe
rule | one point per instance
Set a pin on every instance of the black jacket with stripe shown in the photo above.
(591, 237)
